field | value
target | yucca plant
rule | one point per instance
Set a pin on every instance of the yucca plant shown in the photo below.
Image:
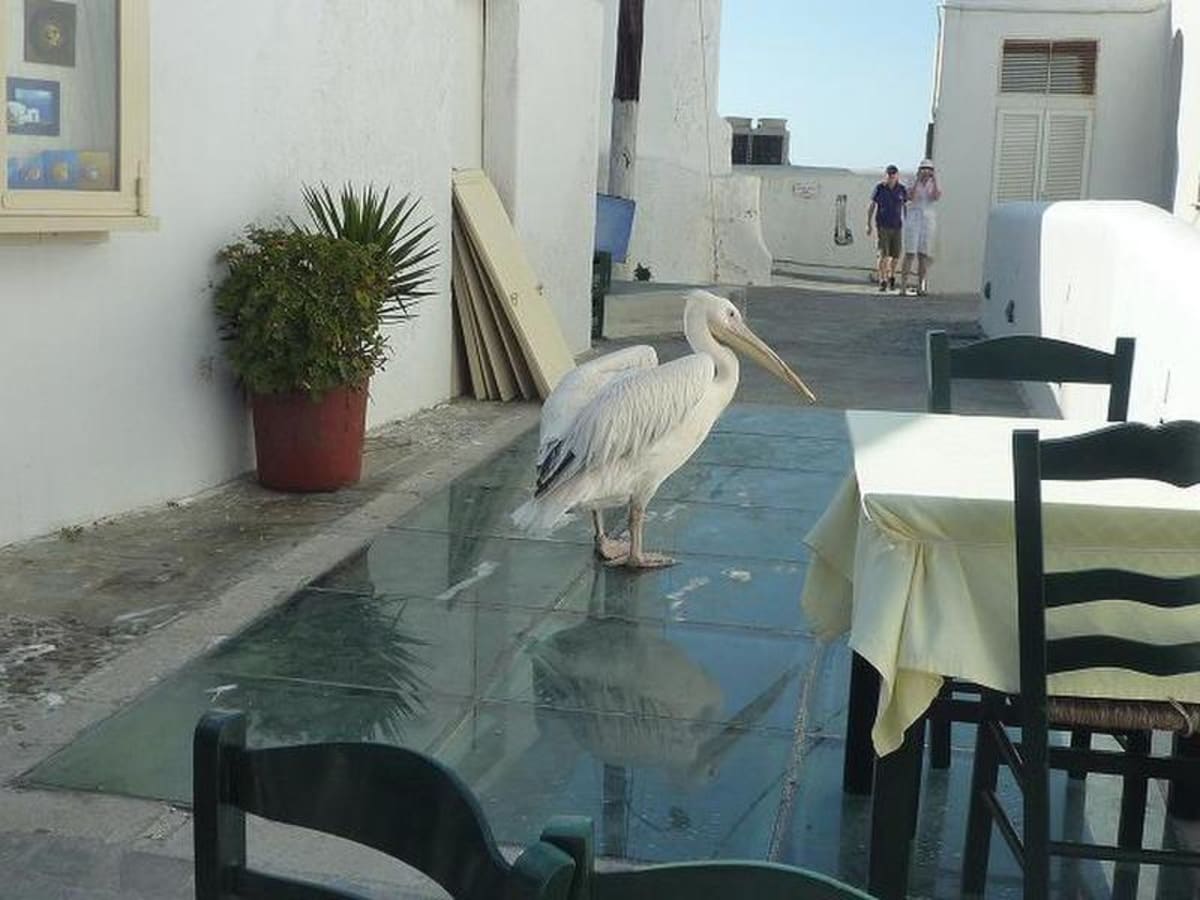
(366, 216)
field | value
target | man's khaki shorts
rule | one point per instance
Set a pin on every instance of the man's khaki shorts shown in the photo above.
(889, 242)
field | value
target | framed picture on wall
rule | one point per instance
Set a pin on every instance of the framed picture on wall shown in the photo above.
(50, 32)
(33, 106)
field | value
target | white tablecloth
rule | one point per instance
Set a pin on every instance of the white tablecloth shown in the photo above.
(914, 558)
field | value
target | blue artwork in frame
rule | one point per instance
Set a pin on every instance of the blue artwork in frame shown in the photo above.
(27, 172)
(33, 106)
(60, 169)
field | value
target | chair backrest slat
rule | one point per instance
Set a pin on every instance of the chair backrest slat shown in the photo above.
(1027, 357)
(1168, 453)
(1090, 585)
(1102, 651)
(760, 881)
(686, 880)
(1023, 357)
(252, 885)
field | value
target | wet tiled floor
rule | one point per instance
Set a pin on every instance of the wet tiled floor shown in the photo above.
(688, 711)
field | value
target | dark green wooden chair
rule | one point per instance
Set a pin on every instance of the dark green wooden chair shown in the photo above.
(1027, 357)
(708, 880)
(1171, 454)
(1018, 357)
(394, 800)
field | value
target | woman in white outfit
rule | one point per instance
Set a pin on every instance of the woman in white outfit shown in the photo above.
(920, 225)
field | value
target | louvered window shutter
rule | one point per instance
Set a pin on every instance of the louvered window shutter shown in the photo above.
(1065, 158)
(1049, 67)
(1018, 145)
(1025, 68)
(1073, 68)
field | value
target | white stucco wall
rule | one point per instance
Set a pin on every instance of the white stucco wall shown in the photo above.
(604, 90)
(799, 210)
(1092, 271)
(541, 134)
(741, 253)
(115, 394)
(1183, 93)
(467, 78)
(1129, 130)
(696, 220)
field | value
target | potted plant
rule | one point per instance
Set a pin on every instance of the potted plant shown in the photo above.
(303, 314)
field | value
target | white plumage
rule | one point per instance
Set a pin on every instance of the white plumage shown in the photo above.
(615, 428)
(579, 386)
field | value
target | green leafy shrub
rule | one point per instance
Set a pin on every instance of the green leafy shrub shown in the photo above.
(302, 311)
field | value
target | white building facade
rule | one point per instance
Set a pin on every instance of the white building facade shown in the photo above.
(1046, 100)
(115, 394)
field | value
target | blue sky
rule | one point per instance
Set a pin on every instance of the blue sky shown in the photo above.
(854, 78)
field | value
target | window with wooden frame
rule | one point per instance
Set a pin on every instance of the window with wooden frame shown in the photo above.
(75, 136)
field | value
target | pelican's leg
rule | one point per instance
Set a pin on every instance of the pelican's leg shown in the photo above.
(607, 548)
(639, 558)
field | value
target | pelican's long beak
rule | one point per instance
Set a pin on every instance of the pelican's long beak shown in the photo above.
(742, 339)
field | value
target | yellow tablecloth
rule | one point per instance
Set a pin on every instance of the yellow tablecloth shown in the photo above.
(914, 558)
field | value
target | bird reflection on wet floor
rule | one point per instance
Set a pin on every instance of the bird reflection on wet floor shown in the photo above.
(643, 702)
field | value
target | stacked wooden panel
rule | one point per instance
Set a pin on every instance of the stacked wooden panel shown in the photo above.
(511, 340)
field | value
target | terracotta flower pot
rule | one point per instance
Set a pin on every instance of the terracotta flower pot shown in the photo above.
(306, 445)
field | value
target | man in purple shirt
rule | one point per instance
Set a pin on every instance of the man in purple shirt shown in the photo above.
(886, 213)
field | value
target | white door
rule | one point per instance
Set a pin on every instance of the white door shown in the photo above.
(1041, 154)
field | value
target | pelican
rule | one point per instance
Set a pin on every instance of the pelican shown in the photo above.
(615, 428)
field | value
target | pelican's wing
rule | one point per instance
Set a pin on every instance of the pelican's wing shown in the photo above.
(581, 385)
(626, 417)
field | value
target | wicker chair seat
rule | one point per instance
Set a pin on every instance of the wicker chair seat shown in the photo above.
(1124, 715)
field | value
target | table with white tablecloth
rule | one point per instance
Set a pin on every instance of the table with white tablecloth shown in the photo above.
(914, 558)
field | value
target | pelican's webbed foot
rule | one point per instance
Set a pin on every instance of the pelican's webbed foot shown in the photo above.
(637, 558)
(644, 560)
(607, 548)
(611, 549)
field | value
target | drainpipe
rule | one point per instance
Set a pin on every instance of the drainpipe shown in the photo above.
(627, 85)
